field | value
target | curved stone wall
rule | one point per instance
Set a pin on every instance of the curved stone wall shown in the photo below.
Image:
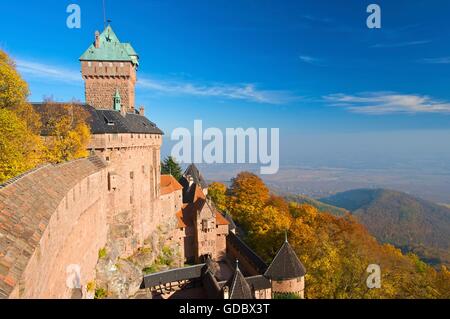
(52, 224)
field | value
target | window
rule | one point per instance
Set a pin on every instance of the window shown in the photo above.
(131, 175)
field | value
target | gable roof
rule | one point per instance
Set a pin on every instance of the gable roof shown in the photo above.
(239, 287)
(221, 220)
(193, 171)
(169, 184)
(285, 265)
(110, 121)
(110, 49)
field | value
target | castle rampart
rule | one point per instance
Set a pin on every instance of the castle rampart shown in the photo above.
(52, 218)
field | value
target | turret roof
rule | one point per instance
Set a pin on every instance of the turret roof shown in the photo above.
(285, 265)
(110, 49)
(239, 287)
(194, 172)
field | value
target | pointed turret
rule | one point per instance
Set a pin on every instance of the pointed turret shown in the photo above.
(287, 272)
(238, 287)
(117, 101)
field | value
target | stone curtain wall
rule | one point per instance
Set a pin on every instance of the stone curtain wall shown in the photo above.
(50, 219)
(296, 286)
(134, 169)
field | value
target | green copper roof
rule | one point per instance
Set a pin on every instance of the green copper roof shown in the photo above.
(111, 49)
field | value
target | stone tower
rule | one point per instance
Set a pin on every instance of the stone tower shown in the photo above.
(109, 70)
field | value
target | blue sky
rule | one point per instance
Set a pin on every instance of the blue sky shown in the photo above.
(311, 68)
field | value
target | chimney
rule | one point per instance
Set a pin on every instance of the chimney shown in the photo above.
(97, 40)
(142, 111)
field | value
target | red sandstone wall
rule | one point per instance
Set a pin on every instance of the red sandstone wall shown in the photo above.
(289, 286)
(134, 187)
(56, 218)
(103, 78)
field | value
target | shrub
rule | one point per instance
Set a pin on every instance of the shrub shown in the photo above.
(101, 293)
(102, 253)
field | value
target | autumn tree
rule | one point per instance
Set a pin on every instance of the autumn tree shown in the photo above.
(248, 197)
(20, 145)
(66, 130)
(217, 193)
(20, 149)
(336, 251)
(13, 89)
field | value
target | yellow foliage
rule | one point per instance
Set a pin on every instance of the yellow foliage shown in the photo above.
(336, 251)
(217, 193)
(13, 89)
(20, 149)
(67, 134)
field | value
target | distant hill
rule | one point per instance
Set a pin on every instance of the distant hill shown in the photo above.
(322, 207)
(405, 221)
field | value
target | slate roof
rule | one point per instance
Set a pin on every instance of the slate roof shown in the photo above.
(110, 121)
(239, 287)
(285, 265)
(110, 49)
(186, 217)
(259, 282)
(173, 275)
(258, 263)
(193, 171)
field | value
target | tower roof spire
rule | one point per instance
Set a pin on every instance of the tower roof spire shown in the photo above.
(109, 48)
(286, 264)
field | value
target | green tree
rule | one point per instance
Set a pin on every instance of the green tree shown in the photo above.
(171, 167)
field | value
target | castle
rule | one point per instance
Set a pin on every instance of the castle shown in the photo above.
(58, 217)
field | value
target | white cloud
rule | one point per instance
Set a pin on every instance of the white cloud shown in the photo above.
(444, 60)
(400, 44)
(248, 92)
(378, 103)
(309, 59)
(49, 72)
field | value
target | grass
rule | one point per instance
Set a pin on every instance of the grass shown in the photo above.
(150, 269)
(164, 259)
